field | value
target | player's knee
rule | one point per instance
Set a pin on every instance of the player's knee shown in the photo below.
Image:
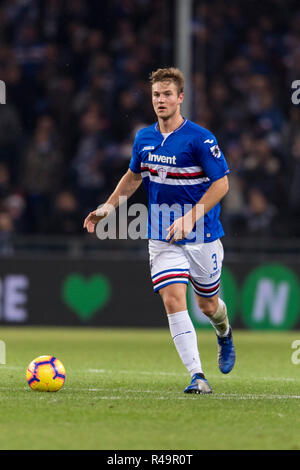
(208, 306)
(174, 297)
(172, 302)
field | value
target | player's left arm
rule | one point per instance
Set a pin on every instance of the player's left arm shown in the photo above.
(211, 159)
(184, 225)
(210, 198)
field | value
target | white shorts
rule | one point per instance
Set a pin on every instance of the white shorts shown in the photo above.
(199, 263)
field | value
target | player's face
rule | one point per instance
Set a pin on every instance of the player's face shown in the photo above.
(165, 99)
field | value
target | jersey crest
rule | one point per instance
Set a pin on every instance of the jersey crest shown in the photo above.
(162, 173)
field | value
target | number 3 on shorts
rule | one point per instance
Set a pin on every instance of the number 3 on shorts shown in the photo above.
(214, 258)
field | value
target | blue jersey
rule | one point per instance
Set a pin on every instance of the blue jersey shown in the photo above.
(177, 171)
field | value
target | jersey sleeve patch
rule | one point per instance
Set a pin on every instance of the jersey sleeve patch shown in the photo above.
(210, 157)
(215, 150)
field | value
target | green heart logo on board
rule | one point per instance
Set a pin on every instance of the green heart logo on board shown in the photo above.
(86, 296)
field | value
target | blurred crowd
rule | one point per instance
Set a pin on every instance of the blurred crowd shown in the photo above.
(77, 72)
(246, 56)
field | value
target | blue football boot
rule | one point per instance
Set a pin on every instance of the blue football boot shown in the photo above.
(226, 353)
(198, 384)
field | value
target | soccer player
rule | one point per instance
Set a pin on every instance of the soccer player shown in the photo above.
(181, 164)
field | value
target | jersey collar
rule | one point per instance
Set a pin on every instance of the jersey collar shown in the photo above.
(176, 130)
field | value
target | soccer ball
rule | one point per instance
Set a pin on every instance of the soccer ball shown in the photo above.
(46, 374)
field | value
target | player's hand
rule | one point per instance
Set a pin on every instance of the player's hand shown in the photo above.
(94, 217)
(180, 228)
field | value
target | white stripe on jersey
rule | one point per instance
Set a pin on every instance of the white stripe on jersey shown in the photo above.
(147, 170)
(177, 182)
(172, 169)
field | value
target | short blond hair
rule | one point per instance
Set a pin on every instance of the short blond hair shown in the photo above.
(169, 74)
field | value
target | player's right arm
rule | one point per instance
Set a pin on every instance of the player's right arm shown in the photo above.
(127, 185)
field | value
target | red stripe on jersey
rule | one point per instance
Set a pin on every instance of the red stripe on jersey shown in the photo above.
(198, 173)
(173, 174)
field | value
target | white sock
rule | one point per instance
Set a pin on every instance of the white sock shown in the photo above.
(220, 319)
(185, 340)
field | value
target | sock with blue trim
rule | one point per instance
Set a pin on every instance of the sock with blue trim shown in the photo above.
(185, 340)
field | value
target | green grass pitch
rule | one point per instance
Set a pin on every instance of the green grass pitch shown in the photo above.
(124, 390)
